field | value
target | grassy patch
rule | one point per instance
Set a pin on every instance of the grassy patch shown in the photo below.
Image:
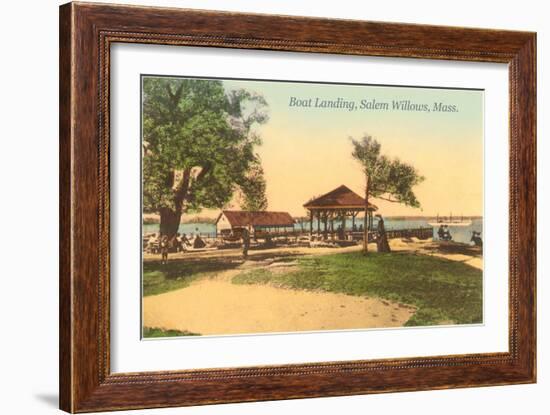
(444, 291)
(152, 332)
(159, 278)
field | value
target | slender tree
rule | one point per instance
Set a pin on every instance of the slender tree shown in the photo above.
(198, 146)
(387, 179)
(254, 198)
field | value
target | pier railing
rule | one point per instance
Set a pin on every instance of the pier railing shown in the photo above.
(420, 233)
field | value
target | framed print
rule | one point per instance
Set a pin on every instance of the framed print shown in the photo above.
(261, 207)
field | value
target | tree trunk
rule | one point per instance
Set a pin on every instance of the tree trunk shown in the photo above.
(169, 222)
(170, 218)
(365, 219)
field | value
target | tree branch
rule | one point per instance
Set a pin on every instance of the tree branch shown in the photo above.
(380, 191)
(203, 172)
(183, 186)
(388, 199)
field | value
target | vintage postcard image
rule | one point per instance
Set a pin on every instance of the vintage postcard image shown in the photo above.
(276, 206)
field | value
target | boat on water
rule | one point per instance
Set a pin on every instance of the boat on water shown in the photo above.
(450, 221)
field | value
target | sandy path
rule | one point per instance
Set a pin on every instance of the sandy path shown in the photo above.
(216, 306)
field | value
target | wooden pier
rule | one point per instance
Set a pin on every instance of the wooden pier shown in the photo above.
(420, 233)
(299, 236)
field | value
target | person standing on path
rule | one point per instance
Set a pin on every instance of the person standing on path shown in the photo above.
(382, 239)
(164, 249)
(246, 242)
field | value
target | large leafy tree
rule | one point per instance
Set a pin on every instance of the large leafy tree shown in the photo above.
(198, 146)
(387, 179)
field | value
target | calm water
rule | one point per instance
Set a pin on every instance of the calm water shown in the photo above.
(185, 228)
(459, 234)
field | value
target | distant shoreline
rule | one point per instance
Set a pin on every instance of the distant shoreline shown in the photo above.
(411, 217)
(431, 217)
(152, 219)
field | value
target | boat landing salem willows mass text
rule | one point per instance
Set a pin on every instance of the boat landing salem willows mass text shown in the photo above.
(370, 104)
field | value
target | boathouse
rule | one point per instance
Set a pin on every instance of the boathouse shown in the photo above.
(232, 222)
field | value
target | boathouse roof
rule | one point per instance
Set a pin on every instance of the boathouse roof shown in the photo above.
(243, 218)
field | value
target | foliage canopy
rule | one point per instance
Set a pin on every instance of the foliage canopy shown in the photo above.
(199, 144)
(388, 179)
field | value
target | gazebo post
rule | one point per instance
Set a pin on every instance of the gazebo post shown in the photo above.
(371, 223)
(318, 223)
(310, 224)
(344, 224)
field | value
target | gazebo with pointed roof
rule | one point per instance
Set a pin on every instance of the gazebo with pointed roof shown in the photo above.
(338, 204)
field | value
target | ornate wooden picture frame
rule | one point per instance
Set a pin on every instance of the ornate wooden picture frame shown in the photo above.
(87, 32)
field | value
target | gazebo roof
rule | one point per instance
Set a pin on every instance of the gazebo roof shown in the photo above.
(340, 198)
(242, 218)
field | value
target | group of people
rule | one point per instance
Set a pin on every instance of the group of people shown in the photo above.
(162, 244)
(342, 234)
(381, 237)
(443, 233)
(476, 238)
(356, 228)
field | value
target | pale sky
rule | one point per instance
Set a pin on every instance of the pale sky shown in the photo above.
(306, 151)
